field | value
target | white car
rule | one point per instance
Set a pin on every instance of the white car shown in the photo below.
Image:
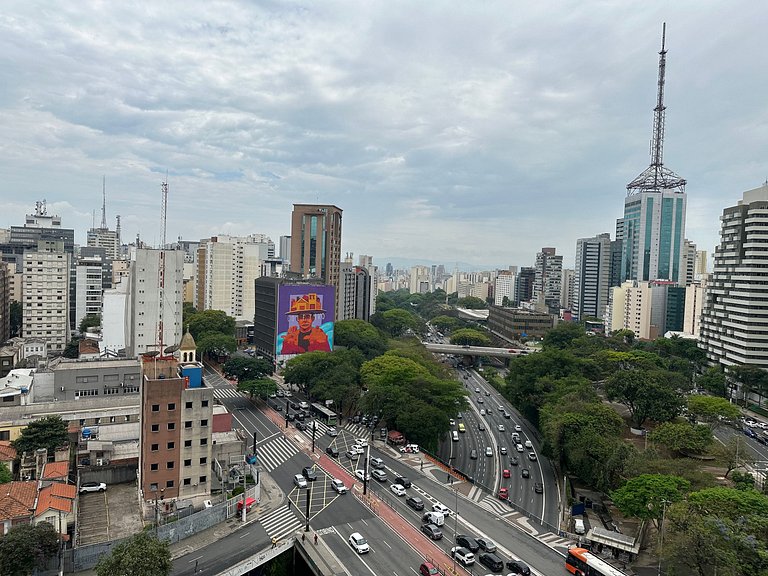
(529, 444)
(532, 456)
(332, 432)
(338, 486)
(361, 474)
(355, 449)
(300, 481)
(92, 487)
(520, 448)
(501, 427)
(359, 543)
(452, 422)
(482, 412)
(397, 489)
(477, 390)
(410, 449)
(518, 428)
(488, 451)
(361, 442)
(442, 508)
(463, 556)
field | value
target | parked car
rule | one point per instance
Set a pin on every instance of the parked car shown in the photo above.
(359, 543)
(338, 486)
(463, 556)
(490, 560)
(432, 531)
(92, 487)
(397, 489)
(415, 502)
(300, 481)
(467, 542)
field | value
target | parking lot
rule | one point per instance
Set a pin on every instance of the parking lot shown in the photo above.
(109, 515)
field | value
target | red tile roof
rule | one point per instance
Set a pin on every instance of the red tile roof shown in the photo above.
(55, 470)
(7, 452)
(50, 499)
(63, 490)
(17, 499)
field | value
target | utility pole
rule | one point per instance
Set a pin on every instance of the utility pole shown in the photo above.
(365, 470)
(309, 499)
(314, 431)
(661, 531)
(287, 411)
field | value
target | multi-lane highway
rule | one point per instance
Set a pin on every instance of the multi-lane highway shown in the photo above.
(283, 454)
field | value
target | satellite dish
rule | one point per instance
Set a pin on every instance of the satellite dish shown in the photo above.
(171, 349)
(151, 354)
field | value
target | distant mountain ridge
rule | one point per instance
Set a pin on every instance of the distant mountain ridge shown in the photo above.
(405, 263)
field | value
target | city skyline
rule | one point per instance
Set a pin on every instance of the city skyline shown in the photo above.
(507, 128)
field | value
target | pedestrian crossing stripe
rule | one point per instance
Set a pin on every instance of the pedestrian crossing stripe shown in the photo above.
(227, 393)
(495, 505)
(280, 522)
(273, 453)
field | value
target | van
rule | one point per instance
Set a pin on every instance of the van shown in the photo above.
(455, 436)
(435, 518)
(462, 428)
(578, 526)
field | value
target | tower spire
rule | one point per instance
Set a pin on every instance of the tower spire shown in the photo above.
(656, 177)
(104, 203)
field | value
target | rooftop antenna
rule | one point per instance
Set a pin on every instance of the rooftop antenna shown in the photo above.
(163, 210)
(656, 177)
(117, 229)
(103, 202)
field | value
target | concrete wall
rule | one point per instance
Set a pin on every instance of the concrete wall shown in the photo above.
(110, 474)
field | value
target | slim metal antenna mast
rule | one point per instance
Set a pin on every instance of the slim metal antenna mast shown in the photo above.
(104, 203)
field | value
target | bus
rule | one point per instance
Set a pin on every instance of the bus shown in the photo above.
(326, 416)
(582, 562)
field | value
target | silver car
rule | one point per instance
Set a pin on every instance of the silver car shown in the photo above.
(300, 481)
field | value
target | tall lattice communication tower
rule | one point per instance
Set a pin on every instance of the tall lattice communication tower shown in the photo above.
(656, 177)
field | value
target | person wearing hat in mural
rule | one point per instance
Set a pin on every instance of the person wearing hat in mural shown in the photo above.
(306, 337)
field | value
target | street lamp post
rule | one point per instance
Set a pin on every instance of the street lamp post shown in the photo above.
(314, 432)
(661, 531)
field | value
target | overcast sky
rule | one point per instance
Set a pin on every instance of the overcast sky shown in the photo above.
(473, 132)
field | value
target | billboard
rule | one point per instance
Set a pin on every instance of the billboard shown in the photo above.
(304, 319)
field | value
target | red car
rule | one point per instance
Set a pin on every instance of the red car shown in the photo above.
(505, 473)
(503, 494)
(427, 569)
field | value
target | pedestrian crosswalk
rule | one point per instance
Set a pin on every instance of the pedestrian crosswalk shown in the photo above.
(280, 522)
(555, 540)
(273, 453)
(226, 393)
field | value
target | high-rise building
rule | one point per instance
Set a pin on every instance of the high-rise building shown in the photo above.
(630, 309)
(652, 230)
(226, 269)
(373, 276)
(689, 263)
(566, 289)
(355, 298)
(694, 300)
(592, 276)
(285, 250)
(89, 286)
(524, 285)
(548, 281)
(420, 279)
(46, 290)
(504, 289)
(5, 303)
(734, 318)
(316, 243)
(154, 303)
(700, 268)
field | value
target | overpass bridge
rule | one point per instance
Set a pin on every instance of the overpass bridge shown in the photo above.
(475, 350)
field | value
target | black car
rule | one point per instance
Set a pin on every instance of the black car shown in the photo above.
(301, 426)
(293, 405)
(277, 407)
(290, 416)
(467, 542)
(415, 502)
(481, 426)
(486, 545)
(473, 454)
(514, 460)
(526, 473)
(432, 531)
(491, 561)
(538, 487)
(518, 567)
(403, 481)
(332, 451)
(309, 473)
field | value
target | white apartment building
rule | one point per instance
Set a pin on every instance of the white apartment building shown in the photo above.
(630, 309)
(154, 290)
(420, 279)
(694, 300)
(226, 269)
(547, 284)
(88, 287)
(45, 294)
(592, 278)
(104, 238)
(504, 288)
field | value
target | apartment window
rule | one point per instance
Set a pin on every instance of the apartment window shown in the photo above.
(155, 407)
(204, 422)
(188, 462)
(188, 405)
(155, 447)
(153, 487)
(171, 406)
(203, 461)
(187, 481)
(203, 441)
(169, 484)
(155, 427)
(171, 445)
(171, 425)
(170, 464)
(153, 466)
(187, 443)
(205, 403)
(203, 479)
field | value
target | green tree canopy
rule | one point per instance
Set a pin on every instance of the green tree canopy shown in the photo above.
(361, 335)
(397, 321)
(712, 410)
(5, 473)
(713, 381)
(733, 454)
(216, 344)
(327, 376)
(445, 323)
(206, 322)
(141, 555)
(645, 496)
(562, 335)
(472, 303)
(682, 436)
(248, 368)
(27, 547)
(49, 432)
(646, 394)
(89, 321)
(469, 336)
(259, 387)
